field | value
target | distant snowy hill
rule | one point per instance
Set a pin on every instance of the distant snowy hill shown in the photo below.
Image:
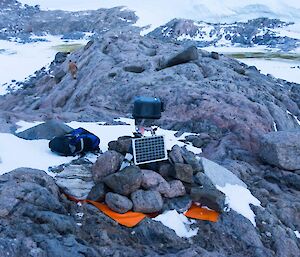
(158, 12)
(205, 18)
(257, 32)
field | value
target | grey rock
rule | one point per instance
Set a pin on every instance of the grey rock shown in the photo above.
(154, 233)
(175, 155)
(203, 180)
(254, 32)
(190, 158)
(134, 69)
(147, 201)
(183, 172)
(154, 181)
(58, 76)
(97, 192)
(165, 170)
(75, 180)
(180, 204)
(60, 57)
(212, 198)
(106, 164)
(47, 130)
(122, 145)
(118, 203)
(189, 54)
(176, 188)
(126, 181)
(281, 149)
(88, 45)
(215, 55)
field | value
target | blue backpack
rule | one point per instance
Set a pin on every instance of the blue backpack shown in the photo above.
(77, 141)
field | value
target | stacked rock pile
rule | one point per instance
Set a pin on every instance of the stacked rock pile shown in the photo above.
(154, 187)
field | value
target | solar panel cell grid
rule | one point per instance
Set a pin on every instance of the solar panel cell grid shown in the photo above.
(149, 149)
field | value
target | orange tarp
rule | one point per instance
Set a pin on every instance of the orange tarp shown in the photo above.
(128, 219)
(131, 219)
(200, 213)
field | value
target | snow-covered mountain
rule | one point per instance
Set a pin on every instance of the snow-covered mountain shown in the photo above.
(159, 12)
(257, 32)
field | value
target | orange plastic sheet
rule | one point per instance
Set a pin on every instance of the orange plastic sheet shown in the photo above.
(200, 213)
(128, 219)
(131, 219)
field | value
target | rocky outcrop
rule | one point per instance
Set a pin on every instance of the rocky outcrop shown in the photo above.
(37, 220)
(47, 130)
(281, 149)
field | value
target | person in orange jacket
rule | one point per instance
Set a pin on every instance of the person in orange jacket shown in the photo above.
(73, 69)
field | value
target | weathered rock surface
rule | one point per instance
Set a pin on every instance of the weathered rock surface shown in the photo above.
(212, 198)
(106, 164)
(281, 149)
(126, 181)
(176, 189)
(118, 203)
(183, 172)
(154, 181)
(147, 201)
(122, 145)
(98, 192)
(75, 180)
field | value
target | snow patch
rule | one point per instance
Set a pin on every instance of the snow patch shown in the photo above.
(294, 116)
(17, 152)
(275, 126)
(239, 198)
(177, 222)
(297, 233)
(22, 60)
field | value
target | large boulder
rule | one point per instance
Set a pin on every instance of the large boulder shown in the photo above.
(147, 201)
(47, 130)
(106, 164)
(118, 203)
(187, 55)
(126, 181)
(282, 149)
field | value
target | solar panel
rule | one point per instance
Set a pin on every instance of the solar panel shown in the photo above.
(149, 149)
